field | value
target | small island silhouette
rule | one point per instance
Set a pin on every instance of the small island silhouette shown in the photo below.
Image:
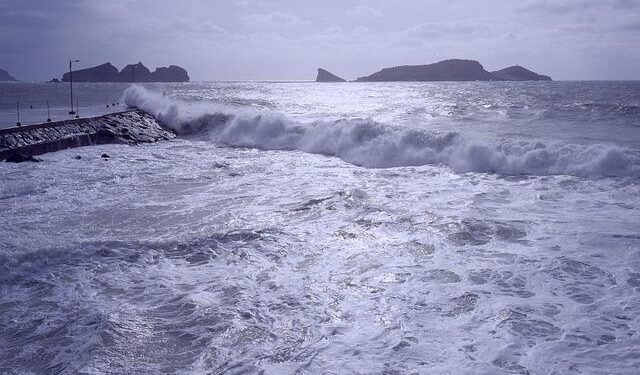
(5, 76)
(133, 72)
(446, 70)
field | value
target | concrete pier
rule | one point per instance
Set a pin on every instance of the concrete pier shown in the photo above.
(129, 127)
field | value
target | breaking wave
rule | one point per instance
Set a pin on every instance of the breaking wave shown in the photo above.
(367, 143)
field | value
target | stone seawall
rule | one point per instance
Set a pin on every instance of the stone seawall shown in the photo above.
(129, 127)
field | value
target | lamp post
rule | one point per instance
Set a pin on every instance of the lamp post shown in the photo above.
(71, 112)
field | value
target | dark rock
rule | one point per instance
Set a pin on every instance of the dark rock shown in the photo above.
(109, 73)
(518, 73)
(101, 73)
(173, 73)
(18, 157)
(55, 80)
(326, 76)
(105, 156)
(141, 73)
(77, 157)
(130, 127)
(5, 76)
(447, 70)
(106, 135)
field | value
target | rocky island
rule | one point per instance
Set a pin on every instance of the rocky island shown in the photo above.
(447, 70)
(326, 76)
(5, 76)
(131, 73)
(518, 73)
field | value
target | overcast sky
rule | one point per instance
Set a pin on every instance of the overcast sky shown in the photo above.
(289, 39)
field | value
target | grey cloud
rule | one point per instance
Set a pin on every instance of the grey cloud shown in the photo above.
(288, 39)
(623, 4)
(244, 3)
(205, 28)
(364, 11)
(442, 29)
(573, 7)
(275, 20)
(549, 7)
(631, 25)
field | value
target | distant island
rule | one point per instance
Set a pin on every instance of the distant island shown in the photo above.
(325, 76)
(518, 73)
(447, 70)
(5, 76)
(132, 72)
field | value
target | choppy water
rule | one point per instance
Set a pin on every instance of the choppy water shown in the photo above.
(461, 228)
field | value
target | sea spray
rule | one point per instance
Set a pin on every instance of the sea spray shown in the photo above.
(368, 143)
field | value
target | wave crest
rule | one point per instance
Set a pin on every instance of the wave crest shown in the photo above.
(368, 143)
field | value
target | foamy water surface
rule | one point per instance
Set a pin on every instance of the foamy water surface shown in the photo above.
(474, 228)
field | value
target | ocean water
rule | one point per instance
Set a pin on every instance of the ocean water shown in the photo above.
(355, 228)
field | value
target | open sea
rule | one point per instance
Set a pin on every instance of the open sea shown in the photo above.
(350, 228)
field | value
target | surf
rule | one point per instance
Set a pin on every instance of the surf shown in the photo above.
(368, 143)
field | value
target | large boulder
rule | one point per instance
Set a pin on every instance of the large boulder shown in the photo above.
(326, 76)
(18, 157)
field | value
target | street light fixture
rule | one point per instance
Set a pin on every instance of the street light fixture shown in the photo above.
(71, 112)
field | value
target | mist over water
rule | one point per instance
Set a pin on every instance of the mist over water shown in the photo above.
(463, 228)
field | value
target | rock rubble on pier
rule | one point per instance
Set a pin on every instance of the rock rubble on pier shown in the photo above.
(130, 127)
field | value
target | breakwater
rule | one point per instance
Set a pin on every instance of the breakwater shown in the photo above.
(129, 127)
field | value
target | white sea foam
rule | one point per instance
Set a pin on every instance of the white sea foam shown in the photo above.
(371, 144)
(185, 257)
